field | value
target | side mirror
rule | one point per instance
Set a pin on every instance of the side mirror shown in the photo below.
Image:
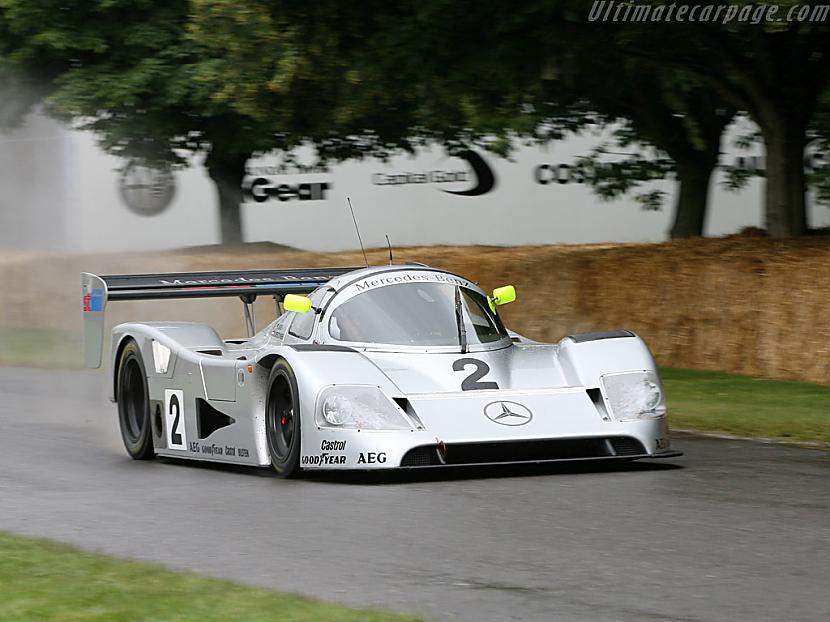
(298, 304)
(503, 295)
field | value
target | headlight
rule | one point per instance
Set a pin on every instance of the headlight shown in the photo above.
(359, 408)
(634, 395)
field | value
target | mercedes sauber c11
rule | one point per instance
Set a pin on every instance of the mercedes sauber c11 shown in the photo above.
(390, 367)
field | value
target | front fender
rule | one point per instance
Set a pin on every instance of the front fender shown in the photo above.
(584, 359)
(317, 367)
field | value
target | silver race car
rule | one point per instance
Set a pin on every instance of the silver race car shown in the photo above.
(386, 367)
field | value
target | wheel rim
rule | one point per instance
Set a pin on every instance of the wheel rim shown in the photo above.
(281, 419)
(134, 399)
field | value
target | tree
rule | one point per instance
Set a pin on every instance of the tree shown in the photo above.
(150, 78)
(819, 136)
(453, 74)
(129, 71)
(773, 70)
(681, 117)
(19, 92)
(686, 121)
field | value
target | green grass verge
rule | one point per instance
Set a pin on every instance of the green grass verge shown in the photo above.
(731, 404)
(46, 581)
(33, 347)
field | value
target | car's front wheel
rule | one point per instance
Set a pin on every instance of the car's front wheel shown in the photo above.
(282, 420)
(134, 403)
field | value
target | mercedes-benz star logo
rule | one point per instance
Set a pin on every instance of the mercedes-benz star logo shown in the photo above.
(508, 413)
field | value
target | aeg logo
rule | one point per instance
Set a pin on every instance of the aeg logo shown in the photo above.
(372, 458)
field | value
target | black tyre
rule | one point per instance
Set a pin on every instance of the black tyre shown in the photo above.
(282, 420)
(134, 404)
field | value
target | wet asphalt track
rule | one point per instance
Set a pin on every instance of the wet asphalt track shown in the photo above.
(731, 531)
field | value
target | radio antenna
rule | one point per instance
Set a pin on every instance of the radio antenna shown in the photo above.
(356, 228)
(389, 244)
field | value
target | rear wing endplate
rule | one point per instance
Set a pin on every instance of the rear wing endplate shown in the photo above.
(96, 291)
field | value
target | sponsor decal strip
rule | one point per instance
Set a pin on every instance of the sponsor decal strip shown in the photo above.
(242, 281)
(427, 277)
(326, 458)
(218, 450)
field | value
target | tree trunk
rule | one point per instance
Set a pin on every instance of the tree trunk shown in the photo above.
(693, 178)
(785, 205)
(227, 172)
(692, 142)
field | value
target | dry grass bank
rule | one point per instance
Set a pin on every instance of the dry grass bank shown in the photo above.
(742, 304)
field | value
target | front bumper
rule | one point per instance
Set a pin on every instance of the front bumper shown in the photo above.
(524, 452)
(565, 426)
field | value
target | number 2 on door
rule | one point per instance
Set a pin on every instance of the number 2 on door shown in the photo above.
(174, 419)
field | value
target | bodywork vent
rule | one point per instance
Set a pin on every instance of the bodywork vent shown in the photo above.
(208, 419)
(421, 456)
(596, 336)
(524, 451)
(626, 446)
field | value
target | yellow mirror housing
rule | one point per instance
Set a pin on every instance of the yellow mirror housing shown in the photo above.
(298, 304)
(503, 295)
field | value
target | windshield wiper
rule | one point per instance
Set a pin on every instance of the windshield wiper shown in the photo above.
(459, 319)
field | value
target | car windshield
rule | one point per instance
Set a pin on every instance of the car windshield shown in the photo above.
(416, 314)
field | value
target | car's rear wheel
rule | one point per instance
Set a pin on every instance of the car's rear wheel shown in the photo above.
(134, 403)
(282, 420)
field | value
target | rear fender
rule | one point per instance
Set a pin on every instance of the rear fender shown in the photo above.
(179, 338)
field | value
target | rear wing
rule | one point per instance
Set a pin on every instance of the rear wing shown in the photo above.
(97, 290)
